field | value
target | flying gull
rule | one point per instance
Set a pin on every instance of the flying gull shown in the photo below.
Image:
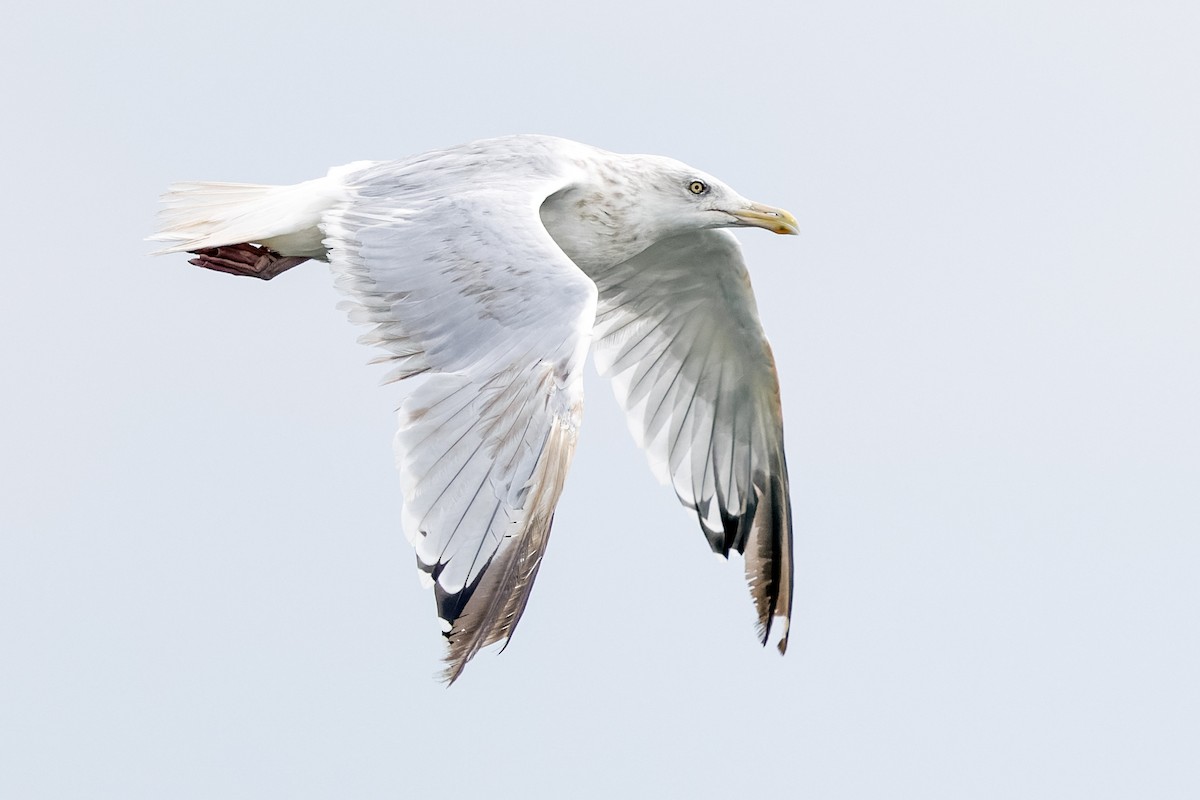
(489, 269)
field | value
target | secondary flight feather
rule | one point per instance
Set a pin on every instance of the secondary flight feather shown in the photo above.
(490, 269)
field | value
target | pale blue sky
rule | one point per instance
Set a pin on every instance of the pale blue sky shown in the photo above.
(988, 337)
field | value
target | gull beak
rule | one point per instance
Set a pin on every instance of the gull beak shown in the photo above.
(773, 219)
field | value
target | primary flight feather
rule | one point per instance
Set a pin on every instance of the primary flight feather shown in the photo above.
(489, 269)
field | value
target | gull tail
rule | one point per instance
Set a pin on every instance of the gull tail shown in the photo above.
(284, 219)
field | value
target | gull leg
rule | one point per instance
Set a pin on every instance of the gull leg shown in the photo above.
(245, 259)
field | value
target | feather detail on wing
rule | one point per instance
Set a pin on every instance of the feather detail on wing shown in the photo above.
(482, 467)
(678, 332)
(470, 291)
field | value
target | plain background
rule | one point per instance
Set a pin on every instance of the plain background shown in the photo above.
(987, 337)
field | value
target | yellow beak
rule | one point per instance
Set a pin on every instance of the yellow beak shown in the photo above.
(773, 219)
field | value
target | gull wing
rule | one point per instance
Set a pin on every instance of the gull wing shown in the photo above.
(678, 332)
(469, 290)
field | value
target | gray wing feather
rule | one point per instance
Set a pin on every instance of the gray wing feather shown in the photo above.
(470, 291)
(678, 332)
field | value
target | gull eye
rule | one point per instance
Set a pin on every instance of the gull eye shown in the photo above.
(697, 187)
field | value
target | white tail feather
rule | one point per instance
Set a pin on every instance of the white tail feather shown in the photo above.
(285, 219)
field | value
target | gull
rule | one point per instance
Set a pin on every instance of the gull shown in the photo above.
(486, 272)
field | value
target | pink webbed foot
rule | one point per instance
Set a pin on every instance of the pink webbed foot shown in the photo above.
(245, 259)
